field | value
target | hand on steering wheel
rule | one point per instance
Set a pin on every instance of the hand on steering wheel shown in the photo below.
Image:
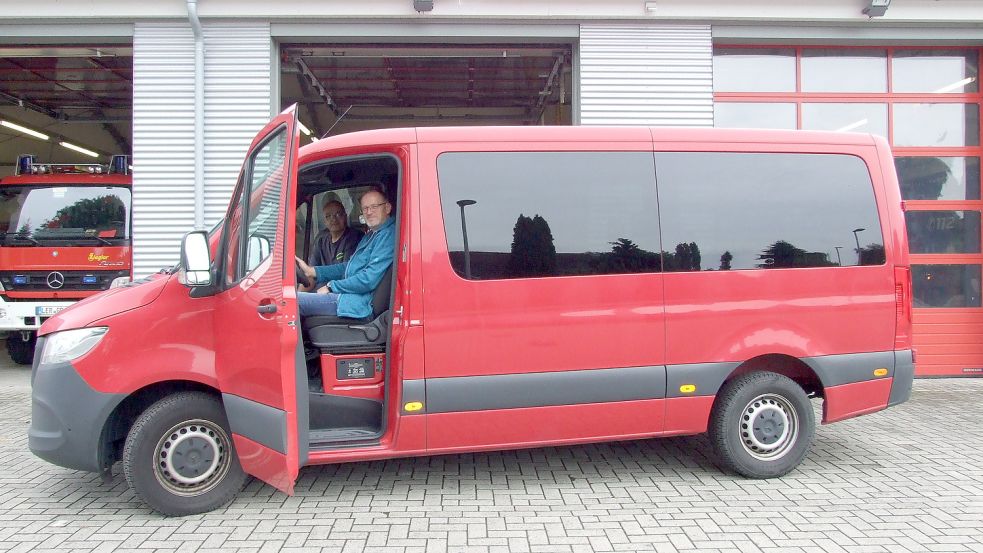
(302, 277)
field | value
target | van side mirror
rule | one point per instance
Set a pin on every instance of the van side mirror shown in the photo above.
(259, 250)
(195, 260)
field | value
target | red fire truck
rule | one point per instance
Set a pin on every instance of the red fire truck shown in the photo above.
(64, 235)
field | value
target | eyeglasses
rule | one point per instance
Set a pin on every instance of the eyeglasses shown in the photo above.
(338, 215)
(373, 207)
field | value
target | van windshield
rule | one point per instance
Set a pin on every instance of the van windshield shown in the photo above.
(64, 215)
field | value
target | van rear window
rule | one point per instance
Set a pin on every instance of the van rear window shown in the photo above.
(767, 210)
(541, 214)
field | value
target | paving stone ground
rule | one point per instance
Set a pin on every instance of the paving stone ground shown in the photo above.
(906, 479)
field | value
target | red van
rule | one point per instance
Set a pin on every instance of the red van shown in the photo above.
(549, 286)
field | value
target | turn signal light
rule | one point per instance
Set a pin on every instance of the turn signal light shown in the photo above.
(687, 388)
(413, 406)
(880, 372)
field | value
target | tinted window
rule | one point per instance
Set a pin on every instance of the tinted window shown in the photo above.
(759, 115)
(844, 70)
(753, 69)
(725, 211)
(935, 71)
(825, 116)
(941, 231)
(936, 125)
(939, 178)
(538, 214)
(946, 285)
(259, 202)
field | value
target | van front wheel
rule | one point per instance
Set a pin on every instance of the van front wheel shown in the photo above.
(761, 425)
(179, 457)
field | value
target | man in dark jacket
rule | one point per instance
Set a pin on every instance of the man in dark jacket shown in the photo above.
(337, 242)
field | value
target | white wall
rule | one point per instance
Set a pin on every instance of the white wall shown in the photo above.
(953, 12)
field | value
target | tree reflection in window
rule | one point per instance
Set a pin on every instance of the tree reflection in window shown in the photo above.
(89, 216)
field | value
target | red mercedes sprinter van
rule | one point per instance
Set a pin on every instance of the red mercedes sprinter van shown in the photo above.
(550, 285)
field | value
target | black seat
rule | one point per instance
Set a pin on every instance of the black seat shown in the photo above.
(338, 334)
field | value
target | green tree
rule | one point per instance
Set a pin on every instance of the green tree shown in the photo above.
(781, 254)
(533, 252)
(725, 260)
(687, 257)
(89, 213)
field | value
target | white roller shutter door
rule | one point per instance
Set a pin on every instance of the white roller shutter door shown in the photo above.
(659, 75)
(238, 103)
(163, 143)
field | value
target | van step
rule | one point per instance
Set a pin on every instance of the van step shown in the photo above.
(355, 434)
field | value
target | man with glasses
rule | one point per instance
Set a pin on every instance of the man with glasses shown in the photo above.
(337, 241)
(345, 289)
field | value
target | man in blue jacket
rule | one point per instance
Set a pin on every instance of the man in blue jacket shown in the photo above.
(345, 289)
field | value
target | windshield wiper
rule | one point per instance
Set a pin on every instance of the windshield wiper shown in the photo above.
(20, 236)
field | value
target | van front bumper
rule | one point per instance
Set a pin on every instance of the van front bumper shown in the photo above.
(68, 417)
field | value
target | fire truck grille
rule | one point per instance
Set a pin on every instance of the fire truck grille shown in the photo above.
(52, 281)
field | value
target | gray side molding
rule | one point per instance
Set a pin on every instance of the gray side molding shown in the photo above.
(707, 377)
(904, 374)
(260, 423)
(835, 370)
(510, 391)
(414, 390)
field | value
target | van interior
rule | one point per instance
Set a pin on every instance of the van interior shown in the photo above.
(347, 359)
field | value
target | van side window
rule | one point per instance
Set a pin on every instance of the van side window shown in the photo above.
(260, 204)
(724, 211)
(543, 214)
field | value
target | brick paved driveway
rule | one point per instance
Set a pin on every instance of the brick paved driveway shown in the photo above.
(907, 479)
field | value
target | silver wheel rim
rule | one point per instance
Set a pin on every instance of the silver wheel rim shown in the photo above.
(192, 457)
(769, 427)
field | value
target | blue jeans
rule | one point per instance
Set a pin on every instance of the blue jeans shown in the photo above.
(310, 304)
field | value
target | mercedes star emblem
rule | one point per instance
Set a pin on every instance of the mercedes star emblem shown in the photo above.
(56, 280)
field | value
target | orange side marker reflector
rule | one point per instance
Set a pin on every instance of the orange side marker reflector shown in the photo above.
(687, 388)
(413, 406)
(880, 372)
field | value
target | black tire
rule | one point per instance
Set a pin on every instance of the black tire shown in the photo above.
(784, 427)
(21, 352)
(179, 457)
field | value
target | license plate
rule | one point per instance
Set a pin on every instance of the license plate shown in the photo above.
(47, 310)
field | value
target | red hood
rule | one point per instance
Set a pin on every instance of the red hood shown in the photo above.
(105, 304)
(74, 258)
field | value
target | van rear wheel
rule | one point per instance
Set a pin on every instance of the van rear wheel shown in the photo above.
(179, 457)
(761, 425)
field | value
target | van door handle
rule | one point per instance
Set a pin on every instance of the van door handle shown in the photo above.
(267, 308)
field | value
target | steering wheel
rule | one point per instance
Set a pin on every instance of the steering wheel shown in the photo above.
(302, 277)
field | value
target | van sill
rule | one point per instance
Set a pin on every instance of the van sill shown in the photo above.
(343, 438)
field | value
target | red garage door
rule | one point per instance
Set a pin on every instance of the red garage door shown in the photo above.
(926, 101)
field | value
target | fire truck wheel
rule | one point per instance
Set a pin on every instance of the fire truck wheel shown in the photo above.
(21, 352)
(761, 425)
(179, 457)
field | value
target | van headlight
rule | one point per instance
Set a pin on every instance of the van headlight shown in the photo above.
(67, 345)
(119, 282)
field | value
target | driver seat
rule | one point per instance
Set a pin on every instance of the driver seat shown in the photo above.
(344, 334)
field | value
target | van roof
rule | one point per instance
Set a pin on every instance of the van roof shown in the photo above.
(581, 134)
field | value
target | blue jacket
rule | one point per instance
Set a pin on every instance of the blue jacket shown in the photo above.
(357, 279)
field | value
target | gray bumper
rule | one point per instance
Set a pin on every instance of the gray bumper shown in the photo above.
(67, 416)
(904, 374)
